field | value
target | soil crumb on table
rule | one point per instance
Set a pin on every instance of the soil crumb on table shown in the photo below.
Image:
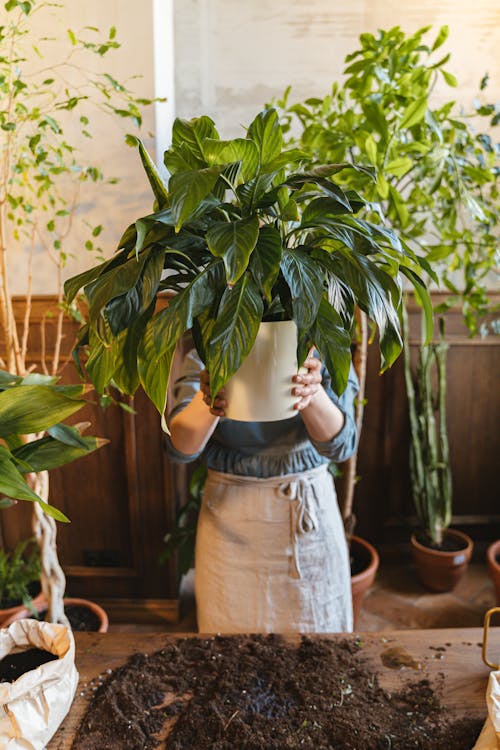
(263, 693)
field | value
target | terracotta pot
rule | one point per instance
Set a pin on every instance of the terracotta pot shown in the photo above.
(441, 571)
(361, 582)
(39, 602)
(98, 611)
(493, 557)
(261, 390)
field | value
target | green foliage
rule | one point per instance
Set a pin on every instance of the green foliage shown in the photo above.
(436, 167)
(35, 404)
(242, 234)
(18, 570)
(436, 180)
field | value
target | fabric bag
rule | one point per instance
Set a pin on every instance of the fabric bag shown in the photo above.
(33, 706)
(489, 739)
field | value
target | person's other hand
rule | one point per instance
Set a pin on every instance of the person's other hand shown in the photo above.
(307, 384)
(220, 402)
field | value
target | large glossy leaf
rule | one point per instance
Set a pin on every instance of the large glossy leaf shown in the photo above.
(113, 284)
(333, 343)
(322, 212)
(72, 286)
(187, 190)
(122, 311)
(266, 131)
(125, 374)
(13, 485)
(265, 261)
(241, 150)
(157, 346)
(33, 408)
(105, 351)
(158, 187)
(233, 242)
(233, 335)
(251, 192)
(423, 298)
(192, 135)
(305, 281)
(48, 453)
(329, 188)
(67, 435)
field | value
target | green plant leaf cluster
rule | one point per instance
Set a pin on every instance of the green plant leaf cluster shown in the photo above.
(34, 405)
(18, 570)
(436, 167)
(241, 234)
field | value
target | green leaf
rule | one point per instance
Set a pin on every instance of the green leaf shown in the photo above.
(13, 485)
(266, 258)
(187, 190)
(49, 453)
(192, 134)
(305, 281)
(322, 212)
(250, 193)
(34, 408)
(413, 114)
(233, 242)
(73, 285)
(155, 180)
(449, 78)
(441, 37)
(233, 335)
(266, 131)
(240, 149)
(371, 149)
(333, 343)
(123, 310)
(67, 435)
(113, 283)
(399, 167)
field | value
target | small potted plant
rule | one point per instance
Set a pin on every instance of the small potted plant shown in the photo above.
(493, 558)
(240, 236)
(20, 580)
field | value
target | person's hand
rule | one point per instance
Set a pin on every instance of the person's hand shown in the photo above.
(308, 383)
(220, 402)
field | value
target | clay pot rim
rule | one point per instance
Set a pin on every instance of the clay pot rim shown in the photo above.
(446, 554)
(374, 559)
(99, 611)
(38, 602)
(491, 554)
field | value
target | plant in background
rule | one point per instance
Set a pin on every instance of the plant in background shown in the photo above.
(437, 183)
(19, 569)
(242, 234)
(41, 173)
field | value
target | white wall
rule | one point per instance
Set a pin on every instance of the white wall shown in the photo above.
(233, 56)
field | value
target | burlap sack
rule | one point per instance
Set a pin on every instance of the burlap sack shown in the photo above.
(33, 706)
(489, 739)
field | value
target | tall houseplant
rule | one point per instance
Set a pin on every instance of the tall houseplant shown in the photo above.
(240, 235)
(436, 179)
(41, 174)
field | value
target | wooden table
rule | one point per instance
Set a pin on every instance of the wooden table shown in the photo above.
(454, 653)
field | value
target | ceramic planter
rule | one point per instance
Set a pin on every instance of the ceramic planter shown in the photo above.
(367, 555)
(261, 390)
(95, 608)
(441, 571)
(493, 557)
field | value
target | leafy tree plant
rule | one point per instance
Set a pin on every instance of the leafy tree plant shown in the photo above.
(19, 569)
(240, 235)
(437, 183)
(41, 173)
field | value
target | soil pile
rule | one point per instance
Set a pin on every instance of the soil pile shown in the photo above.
(262, 693)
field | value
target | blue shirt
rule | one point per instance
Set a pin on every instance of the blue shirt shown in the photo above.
(265, 449)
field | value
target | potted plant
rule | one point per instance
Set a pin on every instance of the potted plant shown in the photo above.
(437, 184)
(20, 579)
(240, 236)
(493, 558)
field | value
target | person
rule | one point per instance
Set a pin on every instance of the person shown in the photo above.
(271, 553)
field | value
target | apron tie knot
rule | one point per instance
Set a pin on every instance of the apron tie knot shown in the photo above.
(303, 520)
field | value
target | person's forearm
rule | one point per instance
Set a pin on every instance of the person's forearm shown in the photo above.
(192, 427)
(322, 418)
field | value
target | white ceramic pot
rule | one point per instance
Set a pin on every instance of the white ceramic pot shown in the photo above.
(261, 390)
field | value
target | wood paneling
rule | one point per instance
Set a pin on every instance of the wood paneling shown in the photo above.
(122, 499)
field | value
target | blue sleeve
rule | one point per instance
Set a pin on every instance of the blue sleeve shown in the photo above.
(343, 445)
(185, 388)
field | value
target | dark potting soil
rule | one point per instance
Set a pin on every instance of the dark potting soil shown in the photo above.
(14, 665)
(262, 693)
(448, 544)
(80, 618)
